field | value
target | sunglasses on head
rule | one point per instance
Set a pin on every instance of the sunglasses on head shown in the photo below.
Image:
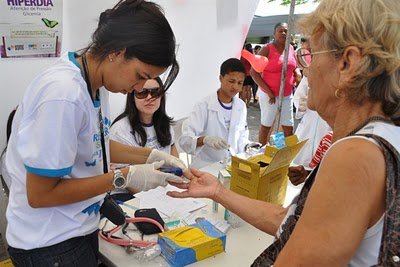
(154, 92)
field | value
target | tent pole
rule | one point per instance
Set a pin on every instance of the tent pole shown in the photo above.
(285, 63)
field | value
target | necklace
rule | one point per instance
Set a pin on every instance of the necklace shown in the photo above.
(370, 119)
(101, 126)
(87, 79)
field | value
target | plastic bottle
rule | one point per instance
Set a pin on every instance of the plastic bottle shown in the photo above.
(148, 254)
(233, 220)
(225, 179)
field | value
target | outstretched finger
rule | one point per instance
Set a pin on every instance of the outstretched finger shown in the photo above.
(176, 194)
(188, 173)
(197, 172)
(176, 179)
(183, 185)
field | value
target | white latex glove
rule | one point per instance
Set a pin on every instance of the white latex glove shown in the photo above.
(252, 146)
(157, 155)
(145, 176)
(215, 142)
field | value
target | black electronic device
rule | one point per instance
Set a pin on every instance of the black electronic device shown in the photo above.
(145, 227)
(112, 211)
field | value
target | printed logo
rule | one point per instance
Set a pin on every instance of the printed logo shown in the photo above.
(95, 207)
(88, 164)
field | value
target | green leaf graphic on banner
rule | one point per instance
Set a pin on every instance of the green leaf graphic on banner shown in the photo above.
(49, 23)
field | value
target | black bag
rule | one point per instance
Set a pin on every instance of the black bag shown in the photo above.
(145, 227)
(112, 211)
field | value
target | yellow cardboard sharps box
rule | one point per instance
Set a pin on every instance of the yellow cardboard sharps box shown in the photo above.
(264, 176)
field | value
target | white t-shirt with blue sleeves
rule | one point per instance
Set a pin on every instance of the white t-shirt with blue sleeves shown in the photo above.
(55, 133)
(121, 131)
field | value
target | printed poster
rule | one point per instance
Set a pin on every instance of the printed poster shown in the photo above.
(30, 28)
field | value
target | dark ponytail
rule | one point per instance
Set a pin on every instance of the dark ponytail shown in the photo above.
(9, 127)
(140, 28)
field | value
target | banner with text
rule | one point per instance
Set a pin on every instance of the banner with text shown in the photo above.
(30, 28)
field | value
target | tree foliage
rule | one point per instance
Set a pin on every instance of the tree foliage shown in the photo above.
(287, 2)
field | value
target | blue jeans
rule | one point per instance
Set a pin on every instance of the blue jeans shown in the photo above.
(74, 252)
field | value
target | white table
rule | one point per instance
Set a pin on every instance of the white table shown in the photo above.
(243, 244)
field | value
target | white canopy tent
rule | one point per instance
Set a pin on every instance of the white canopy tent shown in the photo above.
(264, 26)
(268, 14)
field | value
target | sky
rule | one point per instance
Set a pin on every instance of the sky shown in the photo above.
(274, 8)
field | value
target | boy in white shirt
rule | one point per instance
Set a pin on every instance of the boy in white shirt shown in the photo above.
(219, 121)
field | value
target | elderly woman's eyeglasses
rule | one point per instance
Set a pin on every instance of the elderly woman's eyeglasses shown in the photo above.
(308, 56)
(154, 92)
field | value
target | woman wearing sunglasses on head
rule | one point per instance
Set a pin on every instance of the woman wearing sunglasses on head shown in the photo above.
(59, 148)
(144, 122)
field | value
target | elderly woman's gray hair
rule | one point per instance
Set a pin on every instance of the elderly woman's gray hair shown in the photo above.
(374, 27)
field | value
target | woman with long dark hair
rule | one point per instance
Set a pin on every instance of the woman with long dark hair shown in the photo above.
(144, 121)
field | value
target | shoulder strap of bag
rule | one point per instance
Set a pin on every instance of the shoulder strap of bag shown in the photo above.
(89, 88)
(269, 255)
(389, 252)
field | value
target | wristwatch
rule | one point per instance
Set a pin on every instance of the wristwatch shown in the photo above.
(119, 181)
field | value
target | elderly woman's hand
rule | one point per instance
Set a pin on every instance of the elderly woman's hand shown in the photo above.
(201, 185)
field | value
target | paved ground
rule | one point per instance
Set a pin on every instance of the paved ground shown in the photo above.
(253, 122)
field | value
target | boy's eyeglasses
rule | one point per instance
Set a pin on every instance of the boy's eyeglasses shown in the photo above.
(154, 92)
(310, 55)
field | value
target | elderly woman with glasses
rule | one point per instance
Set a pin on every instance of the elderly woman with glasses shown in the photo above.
(347, 213)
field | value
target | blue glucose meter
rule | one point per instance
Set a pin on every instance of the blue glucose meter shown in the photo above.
(174, 170)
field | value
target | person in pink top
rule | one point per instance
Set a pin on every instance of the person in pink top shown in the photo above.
(269, 83)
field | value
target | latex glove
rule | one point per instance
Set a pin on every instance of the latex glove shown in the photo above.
(252, 146)
(145, 176)
(157, 155)
(215, 142)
